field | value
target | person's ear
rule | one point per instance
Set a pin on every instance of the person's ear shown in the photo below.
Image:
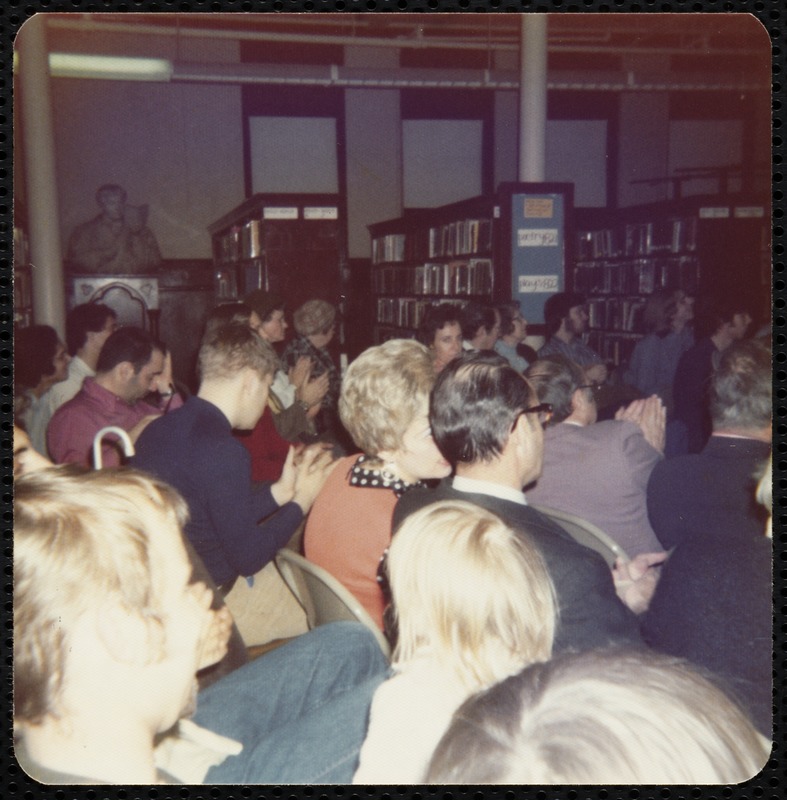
(125, 371)
(128, 637)
(578, 400)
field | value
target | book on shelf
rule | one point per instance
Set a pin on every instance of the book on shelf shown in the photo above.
(460, 237)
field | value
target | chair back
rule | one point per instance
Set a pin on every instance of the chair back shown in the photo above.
(323, 597)
(586, 533)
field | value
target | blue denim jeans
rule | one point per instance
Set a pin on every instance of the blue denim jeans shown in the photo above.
(301, 711)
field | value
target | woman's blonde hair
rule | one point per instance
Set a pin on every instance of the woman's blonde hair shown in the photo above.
(80, 538)
(383, 391)
(601, 717)
(470, 592)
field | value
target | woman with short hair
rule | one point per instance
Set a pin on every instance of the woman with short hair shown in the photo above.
(384, 405)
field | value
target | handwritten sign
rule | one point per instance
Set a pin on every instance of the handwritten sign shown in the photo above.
(276, 212)
(537, 237)
(539, 208)
(538, 284)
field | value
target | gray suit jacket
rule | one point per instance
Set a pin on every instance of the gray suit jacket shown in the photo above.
(600, 473)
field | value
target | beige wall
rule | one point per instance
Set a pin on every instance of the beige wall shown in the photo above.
(176, 147)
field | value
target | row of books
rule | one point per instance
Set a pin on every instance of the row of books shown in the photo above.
(642, 238)
(638, 276)
(616, 313)
(472, 277)
(255, 236)
(461, 237)
(401, 312)
(613, 347)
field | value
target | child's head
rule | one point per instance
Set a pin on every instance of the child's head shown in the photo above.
(600, 717)
(470, 592)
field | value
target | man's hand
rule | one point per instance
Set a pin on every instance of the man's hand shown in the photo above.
(651, 416)
(635, 580)
(596, 373)
(136, 431)
(313, 391)
(284, 488)
(301, 372)
(216, 630)
(313, 469)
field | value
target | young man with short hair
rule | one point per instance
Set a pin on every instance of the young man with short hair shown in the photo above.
(235, 526)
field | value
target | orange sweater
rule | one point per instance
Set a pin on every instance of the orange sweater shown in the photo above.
(347, 532)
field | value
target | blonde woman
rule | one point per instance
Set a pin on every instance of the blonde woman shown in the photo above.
(474, 604)
(384, 406)
(601, 717)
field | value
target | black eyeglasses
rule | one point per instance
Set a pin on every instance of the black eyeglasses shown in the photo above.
(544, 411)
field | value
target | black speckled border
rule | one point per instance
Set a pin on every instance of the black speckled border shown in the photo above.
(770, 783)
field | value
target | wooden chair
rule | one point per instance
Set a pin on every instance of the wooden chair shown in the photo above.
(586, 533)
(323, 597)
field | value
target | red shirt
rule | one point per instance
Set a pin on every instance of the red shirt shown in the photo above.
(74, 425)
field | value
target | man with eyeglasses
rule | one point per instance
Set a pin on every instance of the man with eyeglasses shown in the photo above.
(487, 422)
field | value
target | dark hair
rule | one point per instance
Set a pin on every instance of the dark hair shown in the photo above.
(127, 344)
(224, 314)
(83, 319)
(34, 353)
(555, 379)
(474, 317)
(714, 311)
(436, 317)
(474, 406)
(741, 389)
(557, 307)
(507, 312)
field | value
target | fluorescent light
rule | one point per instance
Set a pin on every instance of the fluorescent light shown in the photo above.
(75, 65)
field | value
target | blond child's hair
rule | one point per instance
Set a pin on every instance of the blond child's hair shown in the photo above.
(80, 538)
(470, 592)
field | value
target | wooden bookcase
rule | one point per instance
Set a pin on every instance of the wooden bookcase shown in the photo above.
(490, 248)
(290, 244)
(700, 244)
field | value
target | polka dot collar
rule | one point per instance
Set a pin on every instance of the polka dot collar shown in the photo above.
(370, 478)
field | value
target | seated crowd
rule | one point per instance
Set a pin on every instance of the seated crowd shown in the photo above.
(441, 482)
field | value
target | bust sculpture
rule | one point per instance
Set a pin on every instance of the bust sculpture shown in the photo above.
(117, 241)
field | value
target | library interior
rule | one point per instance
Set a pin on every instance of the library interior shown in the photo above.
(287, 284)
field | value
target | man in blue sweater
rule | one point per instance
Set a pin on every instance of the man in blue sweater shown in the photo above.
(236, 526)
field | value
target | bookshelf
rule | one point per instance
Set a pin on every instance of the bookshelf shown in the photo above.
(699, 244)
(23, 280)
(487, 249)
(290, 244)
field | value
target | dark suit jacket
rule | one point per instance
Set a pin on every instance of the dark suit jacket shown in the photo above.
(711, 492)
(591, 615)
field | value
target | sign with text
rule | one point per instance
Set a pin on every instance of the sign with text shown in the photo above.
(278, 212)
(539, 207)
(537, 249)
(537, 237)
(538, 284)
(321, 212)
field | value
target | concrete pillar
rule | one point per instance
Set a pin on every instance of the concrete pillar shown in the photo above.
(533, 97)
(49, 305)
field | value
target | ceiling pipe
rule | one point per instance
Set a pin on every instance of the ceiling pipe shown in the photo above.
(94, 26)
(406, 77)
